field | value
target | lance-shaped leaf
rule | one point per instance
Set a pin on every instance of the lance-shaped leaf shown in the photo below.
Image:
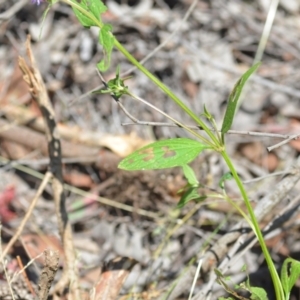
(234, 97)
(106, 39)
(190, 175)
(163, 154)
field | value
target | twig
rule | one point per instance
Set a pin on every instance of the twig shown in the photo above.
(195, 278)
(239, 132)
(280, 173)
(274, 86)
(28, 213)
(12, 10)
(220, 249)
(45, 161)
(15, 276)
(4, 267)
(293, 137)
(159, 47)
(48, 273)
(82, 193)
(177, 123)
(38, 91)
(266, 32)
(228, 260)
(29, 285)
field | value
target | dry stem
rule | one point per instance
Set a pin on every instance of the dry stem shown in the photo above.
(38, 91)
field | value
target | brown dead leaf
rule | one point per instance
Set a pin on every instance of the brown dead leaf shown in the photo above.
(36, 244)
(112, 278)
(14, 150)
(78, 179)
(123, 145)
(15, 90)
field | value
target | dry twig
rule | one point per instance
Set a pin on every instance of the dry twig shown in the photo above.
(38, 91)
(48, 273)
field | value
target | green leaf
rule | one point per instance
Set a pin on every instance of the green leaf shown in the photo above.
(258, 293)
(189, 195)
(225, 177)
(244, 267)
(115, 86)
(234, 97)
(106, 39)
(95, 7)
(163, 154)
(190, 175)
(207, 114)
(290, 272)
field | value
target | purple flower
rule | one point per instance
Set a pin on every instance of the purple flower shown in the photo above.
(37, 2)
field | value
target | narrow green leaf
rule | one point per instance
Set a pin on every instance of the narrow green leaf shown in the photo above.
(189, 195)
(258, 293)
(290, 272)
(96, 7)
(234, 97)
(218, 273)
(190, 175)
(163, 154)
(106, 39)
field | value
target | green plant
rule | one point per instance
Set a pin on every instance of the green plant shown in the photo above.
(180, 152)
(256, 293)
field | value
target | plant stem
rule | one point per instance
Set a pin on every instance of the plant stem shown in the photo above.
(166, 90)
(275, 278)
(217, 145)
(154, 79)
(207, 142)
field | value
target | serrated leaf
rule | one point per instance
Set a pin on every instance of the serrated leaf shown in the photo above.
(189, 195)
(258, 293)
(96, 7)
(290, 272)
(234, 97)
(190, 175)
(163, 154)
(106, 39)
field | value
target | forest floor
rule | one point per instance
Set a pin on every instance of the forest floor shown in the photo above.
(132, 216)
